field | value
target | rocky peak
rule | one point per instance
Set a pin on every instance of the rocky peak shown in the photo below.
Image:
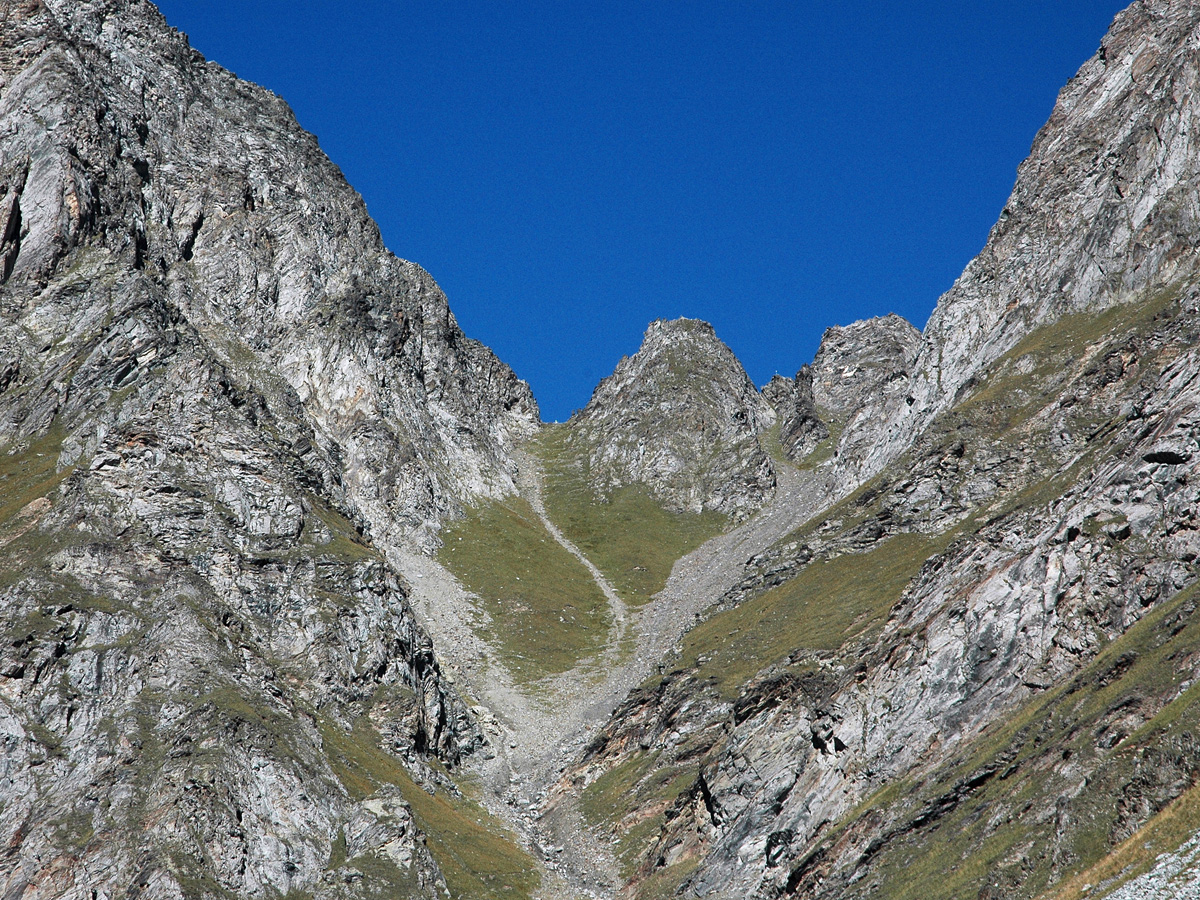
(680, 416)
(858, 371)
(856, 362)
(1102, 210)
(800, 425)
(121, 140)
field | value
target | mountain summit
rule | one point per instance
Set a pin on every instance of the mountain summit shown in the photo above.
(681, 417)
(299, 598)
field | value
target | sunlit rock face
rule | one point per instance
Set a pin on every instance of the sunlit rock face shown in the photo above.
(962, 677)
(959, 663)
(216, 386)
(681, 417)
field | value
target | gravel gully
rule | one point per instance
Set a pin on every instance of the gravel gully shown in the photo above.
(534, 734)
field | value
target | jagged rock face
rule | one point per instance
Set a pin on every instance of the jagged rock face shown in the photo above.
(1039, 448)
(1103, 208)
(857, 363)
(680, 417)
(119, 137)
(213, 381)
(860, 373)
(800, 425)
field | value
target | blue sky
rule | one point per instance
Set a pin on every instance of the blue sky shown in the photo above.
(569, 172)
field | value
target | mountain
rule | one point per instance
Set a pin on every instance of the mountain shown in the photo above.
(222, 399)
(681, 417)
(969, 674)
(299, 598)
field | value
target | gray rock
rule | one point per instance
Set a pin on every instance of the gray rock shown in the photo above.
(682, 418)
(856, 365)
(216, 387)
(801, 427)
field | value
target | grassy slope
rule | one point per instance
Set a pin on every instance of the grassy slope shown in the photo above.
(1071, 722)
(832, 602)
(629, 537)
(653, 789)
(827, 604)
(1164, 833)
(478, 857)
(548, 615)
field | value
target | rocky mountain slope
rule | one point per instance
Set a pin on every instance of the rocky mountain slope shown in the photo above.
(918, 622)
(969, 675)
(680, 417)
(216, 386)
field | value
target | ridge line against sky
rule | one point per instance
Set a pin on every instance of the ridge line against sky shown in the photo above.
(570, 172)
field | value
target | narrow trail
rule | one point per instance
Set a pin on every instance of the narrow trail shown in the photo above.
(536, 733)
(529, 483)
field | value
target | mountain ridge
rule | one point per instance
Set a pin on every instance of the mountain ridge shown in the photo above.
(917, 622)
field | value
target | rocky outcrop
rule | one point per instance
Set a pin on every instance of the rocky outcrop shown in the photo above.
(216, 388)
(858, 365)
(1102, 211)
(858, 374)
(1014, 520)
(680, 417)
(189, 621)
(801, 427)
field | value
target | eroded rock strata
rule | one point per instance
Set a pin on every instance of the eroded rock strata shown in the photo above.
(216, 385)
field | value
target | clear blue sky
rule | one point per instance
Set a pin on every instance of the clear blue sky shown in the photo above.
(570, 171)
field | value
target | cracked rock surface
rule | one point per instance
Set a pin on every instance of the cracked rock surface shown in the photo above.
(216, 386)
(947, 647)
(681, 417)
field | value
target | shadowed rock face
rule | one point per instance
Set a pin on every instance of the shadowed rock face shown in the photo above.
(680, 417)
(214, 381)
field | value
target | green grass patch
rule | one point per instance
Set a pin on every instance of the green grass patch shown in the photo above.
(665, 883)
(29, 474)
(345, 542)
(828, 603)
(548, 614)
(1031, 373)
(631, 799)
(478, 856)
(629, 537)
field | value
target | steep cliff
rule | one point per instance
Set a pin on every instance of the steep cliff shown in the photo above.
(216, 386)
(969, 673)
